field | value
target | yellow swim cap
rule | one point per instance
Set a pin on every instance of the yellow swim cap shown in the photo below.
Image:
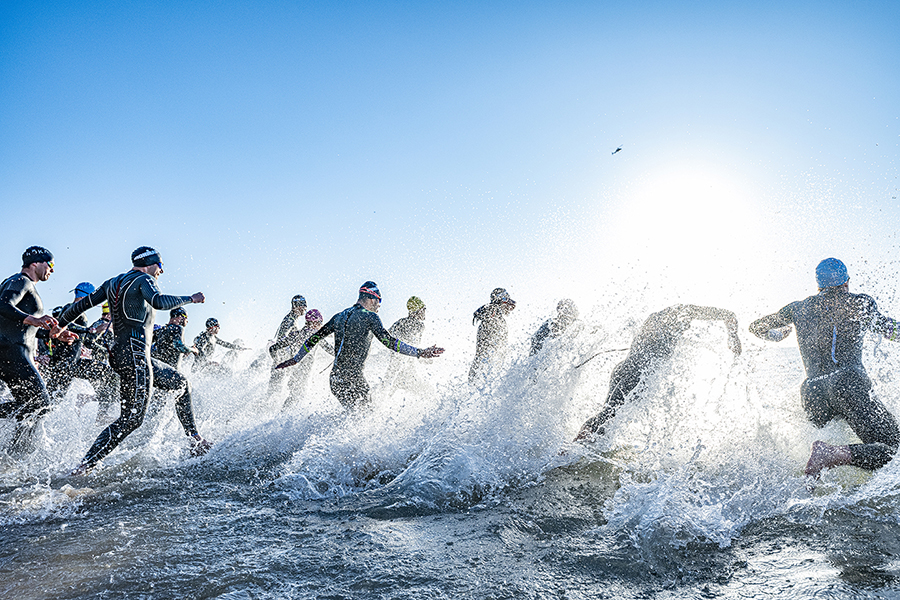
(414, 304)
(106, 308)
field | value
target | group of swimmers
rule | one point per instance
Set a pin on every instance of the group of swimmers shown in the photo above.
(830, 327)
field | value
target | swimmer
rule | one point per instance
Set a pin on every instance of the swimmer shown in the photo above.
(134, 299)
(655, 341)
(21, 315)
(353, 329)
(830, 329)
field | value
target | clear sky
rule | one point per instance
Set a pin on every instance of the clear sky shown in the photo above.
(443, 149)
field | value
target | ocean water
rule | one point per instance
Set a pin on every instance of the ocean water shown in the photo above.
(447, 491)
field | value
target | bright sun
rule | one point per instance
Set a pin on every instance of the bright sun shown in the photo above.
(686, 215)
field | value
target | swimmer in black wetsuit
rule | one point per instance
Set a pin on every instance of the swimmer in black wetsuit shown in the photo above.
(133, 298)
(830, 330)
(70, 361)
(20, 317)
(206, 345)
(655, 341)
(401, 371)
(566, 314)
(288, 330)
(168, 342)
(490, 341)
(292, 341)
(353, 330)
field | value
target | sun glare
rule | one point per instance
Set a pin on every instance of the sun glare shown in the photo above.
(685, 216)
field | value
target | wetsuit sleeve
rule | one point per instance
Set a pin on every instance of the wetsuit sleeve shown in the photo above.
(160, 301)
(389, 341)
(326, 330)
(709, 313)
(11, 295)
(762, 327)
(883, 325)
(284, 341)
(97, 298)
(228, 345)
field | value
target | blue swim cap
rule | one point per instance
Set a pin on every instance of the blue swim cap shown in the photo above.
(831, 272)
(85, 288)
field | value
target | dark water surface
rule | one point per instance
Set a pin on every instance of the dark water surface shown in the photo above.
(448, 492)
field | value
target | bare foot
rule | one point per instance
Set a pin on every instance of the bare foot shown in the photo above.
(825, 456)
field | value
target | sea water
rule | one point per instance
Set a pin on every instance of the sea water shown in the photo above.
(445, 490)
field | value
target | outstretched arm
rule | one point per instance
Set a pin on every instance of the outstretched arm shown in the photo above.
(308, 345)
(711, 313)
(774, 327)
(884, 325)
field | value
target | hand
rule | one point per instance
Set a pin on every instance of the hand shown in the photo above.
(198, 298)
(65, 335)
(430, 352)
(45, 322)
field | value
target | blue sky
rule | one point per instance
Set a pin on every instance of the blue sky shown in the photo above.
(273, 148)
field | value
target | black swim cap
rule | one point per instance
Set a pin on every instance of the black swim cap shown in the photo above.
(501, 296)
(212, 322)
(298, 300)
(369, 288)
(145, 256)
(36, 254)
(177, 312)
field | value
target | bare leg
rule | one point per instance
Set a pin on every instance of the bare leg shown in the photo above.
(825, 456)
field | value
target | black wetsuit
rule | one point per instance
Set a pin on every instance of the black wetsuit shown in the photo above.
(353, 330)
(206, 345)
(830, 330)
(133, 299)
(66, 364)
(655, 341)
(284, 347)
(168, 344)
(19, 299)
(490, 342)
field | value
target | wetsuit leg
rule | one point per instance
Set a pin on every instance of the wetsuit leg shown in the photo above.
(814, 394)
(30, 398)
(102, 378)
(351, 390)
(869, 419)
(130, 361)
(625, 377)
(167, 378)
(25, 384)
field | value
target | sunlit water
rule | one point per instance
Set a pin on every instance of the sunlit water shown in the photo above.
(445, 491)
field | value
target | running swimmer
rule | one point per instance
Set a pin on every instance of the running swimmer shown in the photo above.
(293, 340)
(353, 330)
(655, 341)
(490, 342)
(401, 369)
(830, 330)
(134, 299)
(206, 344)
(168, 342)
(288, 328)
(75, 361)
(20, 316)
(566, 314)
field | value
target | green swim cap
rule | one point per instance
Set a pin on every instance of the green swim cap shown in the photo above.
(414, 304)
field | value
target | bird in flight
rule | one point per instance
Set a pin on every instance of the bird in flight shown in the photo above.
(619, 149)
